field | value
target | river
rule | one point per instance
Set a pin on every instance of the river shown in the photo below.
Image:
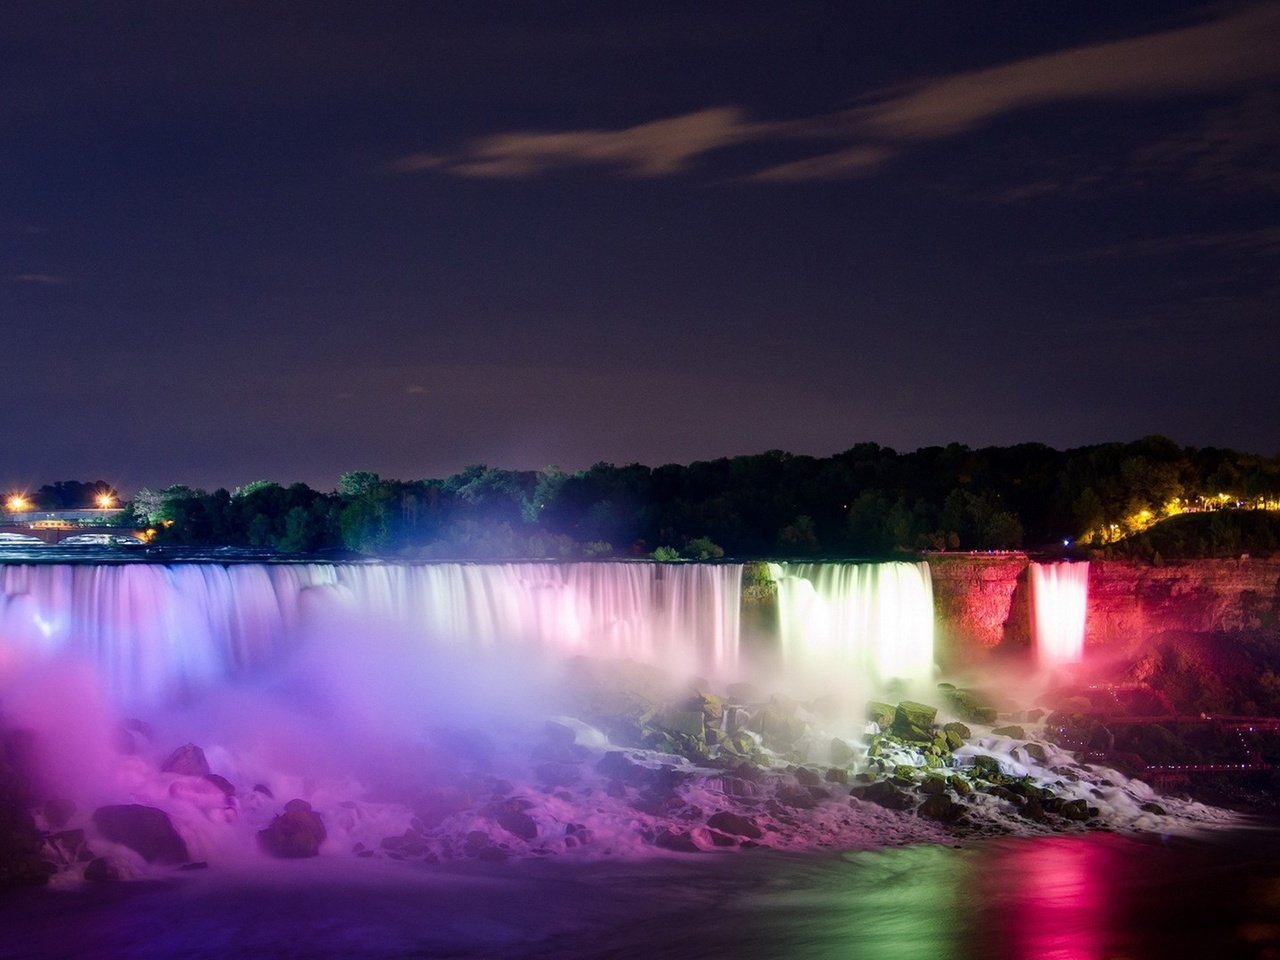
(1084, 897)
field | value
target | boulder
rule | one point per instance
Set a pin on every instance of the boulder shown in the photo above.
(736, 824)
(934, 786)
(884, 794)
(102, 870)
(914, 721)
(1012, 730)
(842, 752)
(187, 759)
(617, 765)
(516, 822)
(296, 833)
(880, 713)
(778, 723)
(679, 841)
(941, 808)
(1036, 752)
(145, 830)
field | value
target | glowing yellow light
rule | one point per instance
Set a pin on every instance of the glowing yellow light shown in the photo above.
(18, 502)
(106, 501)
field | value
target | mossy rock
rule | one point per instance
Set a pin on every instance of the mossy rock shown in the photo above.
(953, 739)
(688, 723)
(941, 808)
(970, 705)
(986, 766)
(841, 751)
(1012, 730)
(933, 785)
(914, 721)
(960, 785)
(881, 713)
(1036, 752)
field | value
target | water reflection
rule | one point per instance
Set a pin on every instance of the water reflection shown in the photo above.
(1096, 897)
(1060, 906)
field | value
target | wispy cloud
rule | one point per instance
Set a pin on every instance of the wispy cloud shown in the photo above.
(1264, 242)
(1224, 54)
(44, 279)
(659, 148)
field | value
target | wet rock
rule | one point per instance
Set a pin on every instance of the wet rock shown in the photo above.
(263, 789)
(914, 721)
(67, 847)
(881, 713)
(934, 786)
(779, 724)
(970, 705)
(806, 777)
(736, 824)
(1036, 752)
(960, 785)
(187, 759)
(959, 729)
(884, 794)
(836, 775)
(1155, 808)
(797, 797)
(296, 833)
(1074, 810)
(1012, 730)
(145, 830)
(841, 752)
(681, 842)
(617, 765)
(1004, 793)
(722, 839)
(986, 766)
(517, 823)
(1034, 810)
(102, 870)
(941, 808)
(222, 783)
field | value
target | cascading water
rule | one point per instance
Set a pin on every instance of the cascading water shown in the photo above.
(876, 618)
(1059, 600)
(152, 631)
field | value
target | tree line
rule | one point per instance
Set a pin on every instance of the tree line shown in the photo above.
(868, 502)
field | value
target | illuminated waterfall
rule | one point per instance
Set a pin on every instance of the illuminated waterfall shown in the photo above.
(152, 631)
(1059, 598)
(876, 618)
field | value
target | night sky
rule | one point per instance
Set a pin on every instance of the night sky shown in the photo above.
(284, 240)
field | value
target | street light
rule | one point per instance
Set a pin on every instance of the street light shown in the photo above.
(106, 501)
(17, 503)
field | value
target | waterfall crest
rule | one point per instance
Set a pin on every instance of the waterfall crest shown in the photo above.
(153, 631)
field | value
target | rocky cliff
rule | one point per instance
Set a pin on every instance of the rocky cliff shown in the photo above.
(982, 601)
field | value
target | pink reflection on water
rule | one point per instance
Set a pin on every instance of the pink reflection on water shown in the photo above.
(1063, 906)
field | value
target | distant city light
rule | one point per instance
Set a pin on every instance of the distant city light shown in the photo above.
(18, 503)
(106, 501)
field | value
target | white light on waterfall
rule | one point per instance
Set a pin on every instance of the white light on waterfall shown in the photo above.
(876, 618)
(1059, 602)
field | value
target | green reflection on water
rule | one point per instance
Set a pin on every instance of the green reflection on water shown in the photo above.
(900, 904)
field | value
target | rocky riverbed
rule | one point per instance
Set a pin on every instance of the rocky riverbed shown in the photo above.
(637, 765)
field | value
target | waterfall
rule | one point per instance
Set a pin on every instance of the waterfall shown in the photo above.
(876, 618)
(1059, 598)
(153, 631)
